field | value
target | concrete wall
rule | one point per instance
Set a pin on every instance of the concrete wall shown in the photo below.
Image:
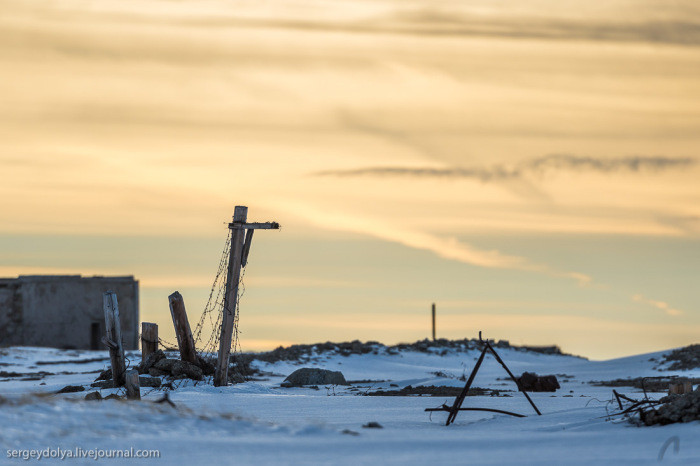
(65, 311)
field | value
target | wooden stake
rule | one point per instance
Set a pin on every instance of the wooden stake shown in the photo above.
(182, 328)
(433, 321)
(240, 215)
(133, 387)
(149, 339)
(113, 337)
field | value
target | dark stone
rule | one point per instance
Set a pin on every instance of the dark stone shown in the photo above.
(102, 384)
(165, 365)
(152, 382)
(153, 372)
(71, 389)
(373, 425)
(206, 365)
(105, 375)
(186, 369)
(93, 396)
(314, 376)
(113, 396)
(235, 377)
(150, 361)
(530, 382)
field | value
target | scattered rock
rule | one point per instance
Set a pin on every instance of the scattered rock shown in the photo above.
(152, 382)
(350, 432)
(105, 375)
(314, 376)
(677, 408)
(150, 361)
(166, 365)
(650, 384)
(373, 425)
(683, 358)
(186, 369)
(93, 396)
(206, 365)
(432, 390)
(71, 389)
(531, 382)
(153, 372)
(113, 396)
(102, 384)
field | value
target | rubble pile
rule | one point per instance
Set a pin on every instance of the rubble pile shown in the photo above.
(440, 346)
(683, 358)
(675, 408)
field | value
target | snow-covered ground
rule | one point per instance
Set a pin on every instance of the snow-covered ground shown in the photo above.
(261, 423)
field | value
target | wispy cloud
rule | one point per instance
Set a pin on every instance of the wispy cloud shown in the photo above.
(658, 305)
(535, 166)
(446, 247)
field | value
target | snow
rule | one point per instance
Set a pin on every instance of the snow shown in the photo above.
(259, 422)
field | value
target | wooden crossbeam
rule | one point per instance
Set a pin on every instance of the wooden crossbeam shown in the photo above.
(254, 226)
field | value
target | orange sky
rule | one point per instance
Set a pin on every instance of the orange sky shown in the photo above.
(466, 148)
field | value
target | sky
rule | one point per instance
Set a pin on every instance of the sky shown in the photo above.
(530, 166)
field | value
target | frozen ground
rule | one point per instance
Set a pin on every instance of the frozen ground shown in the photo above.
(261, 423)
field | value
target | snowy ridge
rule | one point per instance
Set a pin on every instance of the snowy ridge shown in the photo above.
(258, 422)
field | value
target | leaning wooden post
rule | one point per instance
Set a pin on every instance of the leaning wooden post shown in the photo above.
(113, 337)
(133, 386)
(182, 328)
(240, 215)
(433, 321)
(149, 339)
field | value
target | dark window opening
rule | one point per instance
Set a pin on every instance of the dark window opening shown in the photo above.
(95, 336)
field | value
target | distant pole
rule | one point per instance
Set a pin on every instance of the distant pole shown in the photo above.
(149, 339)
(433, 321)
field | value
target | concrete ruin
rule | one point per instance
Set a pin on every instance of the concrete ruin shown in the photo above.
(65, 311)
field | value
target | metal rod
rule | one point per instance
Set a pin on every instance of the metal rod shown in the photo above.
(460, 399)
(498, 358)
(491, 410)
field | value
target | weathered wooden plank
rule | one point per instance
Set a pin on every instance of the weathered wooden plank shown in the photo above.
(149, 339)
(246, 246)
(240, 215)
(132, 384)
(185, 341)
(254, 226)
(113, 337)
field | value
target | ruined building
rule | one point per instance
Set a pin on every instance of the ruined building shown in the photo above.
(65, 311)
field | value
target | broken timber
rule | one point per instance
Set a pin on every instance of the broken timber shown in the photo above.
(241, 238)
(149, 339)
(113, 337)
(185, 341)
(457, 405)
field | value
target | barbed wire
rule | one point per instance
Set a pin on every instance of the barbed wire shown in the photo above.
(213, 312)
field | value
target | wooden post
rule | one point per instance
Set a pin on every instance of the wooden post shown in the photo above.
(113, 337)
(433, 321)
(133, 387)
(240, 215)
(182, 328)
(149, 339)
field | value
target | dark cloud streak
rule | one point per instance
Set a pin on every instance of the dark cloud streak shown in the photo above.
(540, 165)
